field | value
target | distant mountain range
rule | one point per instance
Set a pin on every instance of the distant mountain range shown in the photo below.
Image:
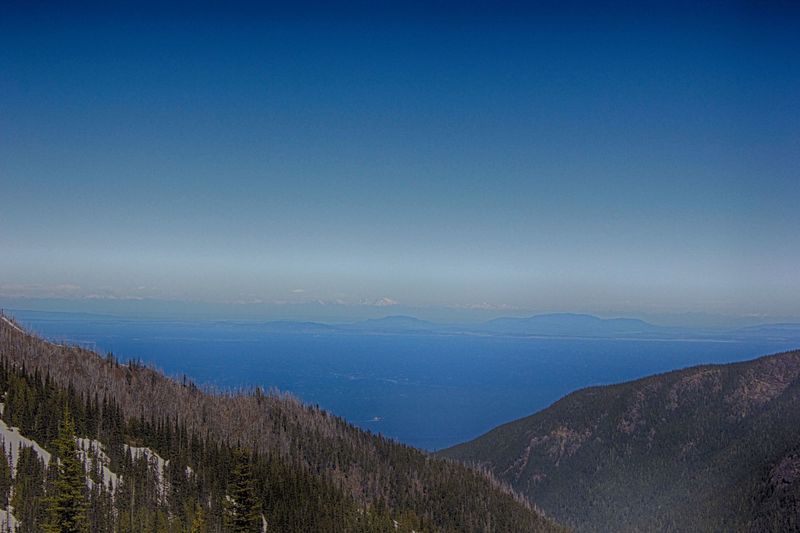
(563, 325)
(709, 448)
(567, 325)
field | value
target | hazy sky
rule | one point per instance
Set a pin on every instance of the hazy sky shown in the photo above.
(515, 159)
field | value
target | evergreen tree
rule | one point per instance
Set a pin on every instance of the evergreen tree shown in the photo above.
(5, 475)
(67, 506)
(28, 490)
(242, 508)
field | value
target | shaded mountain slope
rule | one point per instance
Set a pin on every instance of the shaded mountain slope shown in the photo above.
(709, 448)
(371, 471)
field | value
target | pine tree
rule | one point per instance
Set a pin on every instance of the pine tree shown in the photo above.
(28, 490)
(5, 475)
(67, 506)
(242, 508)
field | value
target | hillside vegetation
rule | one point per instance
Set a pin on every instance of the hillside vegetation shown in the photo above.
(169, 456)
(709, 448)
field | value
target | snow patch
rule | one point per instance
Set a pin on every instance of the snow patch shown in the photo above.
(12, 440)
(154, 460)
(89, 449)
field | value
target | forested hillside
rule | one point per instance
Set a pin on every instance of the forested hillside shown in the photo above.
(158, 454)
(709, 448)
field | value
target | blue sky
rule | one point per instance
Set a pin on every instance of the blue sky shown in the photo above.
(495, 157)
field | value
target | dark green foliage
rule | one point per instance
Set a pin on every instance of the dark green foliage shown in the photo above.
(5, 475)
(66, 500)
(28, 499)
(242, 507)
(710, 448)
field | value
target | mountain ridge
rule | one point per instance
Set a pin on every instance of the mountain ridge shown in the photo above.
(555, 325)
(692, 449)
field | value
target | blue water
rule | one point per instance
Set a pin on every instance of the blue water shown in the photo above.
(429, 391)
